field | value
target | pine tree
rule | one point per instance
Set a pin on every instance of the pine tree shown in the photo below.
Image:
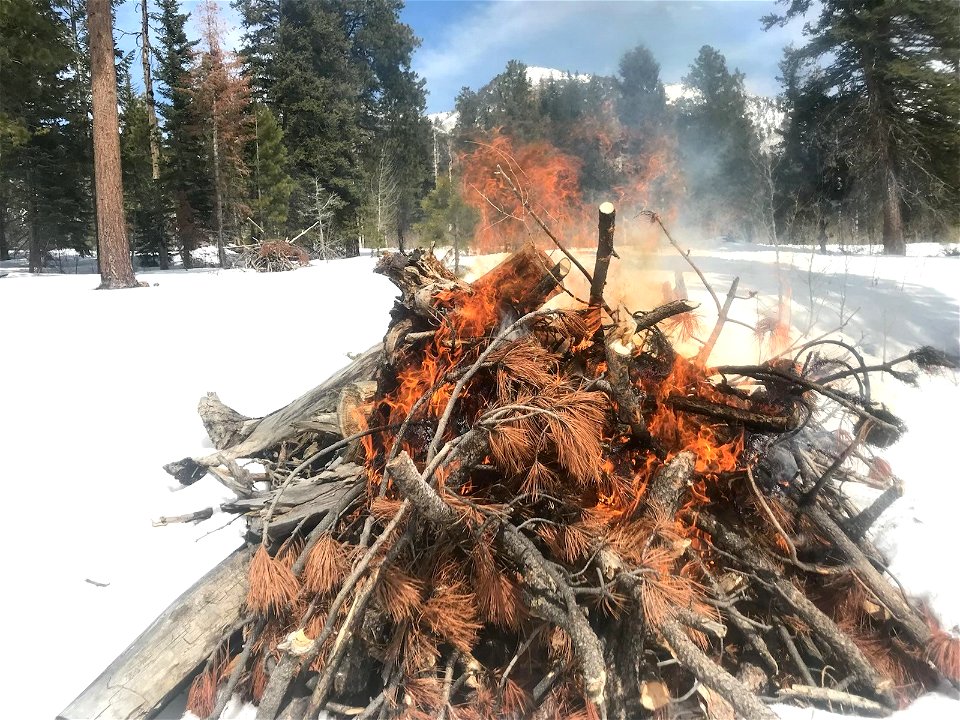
(149, 96)
(143, 204)
(447, 219)
(221, 103)
(45, 160)
(261, 23)
(183, 174)
(271, 184)
(317, 100)
(890, 68)
(641, 100)
(718, 143)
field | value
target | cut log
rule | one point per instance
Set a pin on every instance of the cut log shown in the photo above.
(607, 222)
(157, 665)
(263, 433)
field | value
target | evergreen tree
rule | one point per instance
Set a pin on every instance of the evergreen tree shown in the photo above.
(144, 206)
(271, 184)
(39, 185)
(447, 219)
(509, 101)
(813, 173)
(641, 99)
(318, 105)
(261, 23)
(890, 68)
(183, 174)
(718, 144)
(337, 75)
(221, 100)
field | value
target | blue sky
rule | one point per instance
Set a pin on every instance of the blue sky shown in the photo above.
(466, 42)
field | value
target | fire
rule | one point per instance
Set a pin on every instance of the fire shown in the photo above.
(547, 178)
(680, 431)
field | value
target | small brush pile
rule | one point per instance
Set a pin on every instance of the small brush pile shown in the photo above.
(516, 509)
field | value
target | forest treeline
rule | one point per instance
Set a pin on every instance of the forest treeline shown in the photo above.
(316, 131)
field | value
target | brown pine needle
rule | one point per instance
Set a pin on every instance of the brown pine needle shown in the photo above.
(944, 653)
(326, 565)
(451, 612)
(202, 696)
(273, 586)
(400, 594)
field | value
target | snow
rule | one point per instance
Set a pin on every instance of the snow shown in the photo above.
(99, 390)
(538, 75)
(444, 121)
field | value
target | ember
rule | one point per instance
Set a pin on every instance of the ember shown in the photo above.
(497, 514)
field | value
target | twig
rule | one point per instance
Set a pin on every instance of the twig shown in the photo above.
(858, 526)
(606, 226)
(646, 320)
(238, 669)
(818, 569)
(768, 373)
(811, 495)
(654, 217)
(794, 653)
(833, 697)
(194, 517)
(704, 355)
(543, 226)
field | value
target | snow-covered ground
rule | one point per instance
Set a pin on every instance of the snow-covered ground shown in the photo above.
(99, 389)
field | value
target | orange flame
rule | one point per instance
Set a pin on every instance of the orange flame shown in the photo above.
(547, 179)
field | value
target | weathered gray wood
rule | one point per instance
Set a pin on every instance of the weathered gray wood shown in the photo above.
(224, 425)
(302, 498)
(262, 433)
(148, 673)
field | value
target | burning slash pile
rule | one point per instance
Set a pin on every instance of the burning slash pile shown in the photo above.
(520, 512)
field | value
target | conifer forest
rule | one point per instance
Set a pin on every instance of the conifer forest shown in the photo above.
(307, 124)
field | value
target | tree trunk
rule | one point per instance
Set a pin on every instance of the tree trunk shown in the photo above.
(218, 194)
(36, 254)
(116, 271)
(152, 120)
(893, 243)
(148, 90)
(184, 215)
(4, 247)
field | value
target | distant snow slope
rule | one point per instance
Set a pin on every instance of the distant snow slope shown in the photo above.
(537, 75)
(99, 389)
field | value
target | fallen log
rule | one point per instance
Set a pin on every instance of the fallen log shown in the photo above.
(252, 436)
(160, 662)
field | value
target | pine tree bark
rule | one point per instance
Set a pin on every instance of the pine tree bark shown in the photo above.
(218, 193)
(35, 254)
(116, 270)
(893, 242)
(4, 246)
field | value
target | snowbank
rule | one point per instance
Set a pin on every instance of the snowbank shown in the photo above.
(99, 389)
